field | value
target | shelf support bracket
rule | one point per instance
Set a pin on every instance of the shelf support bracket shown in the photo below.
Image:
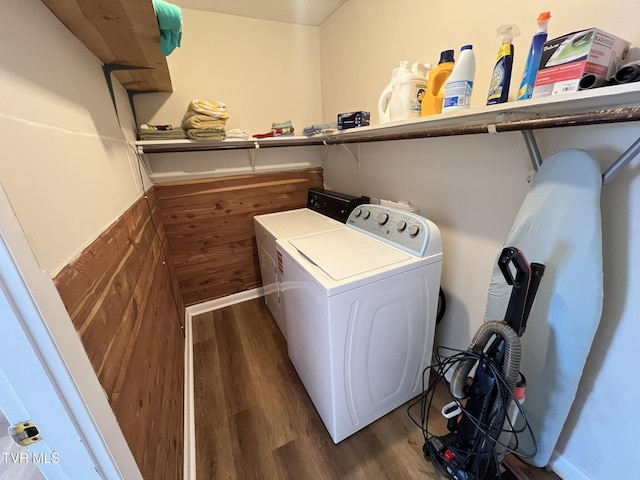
(107, 69)
(355, 158)
(324, 154)
(532, 148)
(252, 156)
(628, 155)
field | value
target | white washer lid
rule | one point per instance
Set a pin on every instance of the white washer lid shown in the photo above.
(344, 253)
(292, 223)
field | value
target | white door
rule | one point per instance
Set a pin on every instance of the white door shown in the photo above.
(27, 393)
(17, 461)
(46, 377)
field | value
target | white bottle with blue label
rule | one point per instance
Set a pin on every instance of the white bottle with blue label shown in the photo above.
(459, 86)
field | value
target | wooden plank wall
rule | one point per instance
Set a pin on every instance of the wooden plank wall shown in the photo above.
(209, 225)
(122, 296)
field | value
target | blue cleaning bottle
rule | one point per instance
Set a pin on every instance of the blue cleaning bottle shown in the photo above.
(501, 77)
(533, 59)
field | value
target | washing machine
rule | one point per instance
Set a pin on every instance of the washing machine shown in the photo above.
(325, 210)
(360, 305)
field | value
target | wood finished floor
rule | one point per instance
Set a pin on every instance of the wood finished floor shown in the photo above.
(254, 419)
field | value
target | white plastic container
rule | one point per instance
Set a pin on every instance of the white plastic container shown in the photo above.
(402, 98)
(385, 99)
(409, 87)
(459, 86)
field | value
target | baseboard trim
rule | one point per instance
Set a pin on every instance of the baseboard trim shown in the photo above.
(565, 469)
(189, 405)
(217, 303)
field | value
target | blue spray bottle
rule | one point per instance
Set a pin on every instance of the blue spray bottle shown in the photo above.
(501, 77)
(533, 59)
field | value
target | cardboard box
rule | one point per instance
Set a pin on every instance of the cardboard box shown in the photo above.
(579, 60)
(353, 119)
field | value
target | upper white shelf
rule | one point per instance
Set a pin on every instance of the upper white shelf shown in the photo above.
(618, 103)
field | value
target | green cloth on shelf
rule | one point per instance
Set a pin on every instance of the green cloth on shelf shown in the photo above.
(206, 134)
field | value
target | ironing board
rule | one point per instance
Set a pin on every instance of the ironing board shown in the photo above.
(559, 226)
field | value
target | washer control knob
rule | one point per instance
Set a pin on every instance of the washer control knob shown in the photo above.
(402, 225)
(366, 214)
(414, 230)
(382, 218)
(357, 212)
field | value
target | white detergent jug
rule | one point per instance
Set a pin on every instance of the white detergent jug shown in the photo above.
(385, 99)
(408, 86)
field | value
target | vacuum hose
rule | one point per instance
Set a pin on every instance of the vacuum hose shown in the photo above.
(510, 364)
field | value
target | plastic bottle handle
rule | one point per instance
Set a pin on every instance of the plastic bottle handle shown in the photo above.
(383, 104)
(421, 69)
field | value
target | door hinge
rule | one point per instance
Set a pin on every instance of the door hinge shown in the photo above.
(25, 433)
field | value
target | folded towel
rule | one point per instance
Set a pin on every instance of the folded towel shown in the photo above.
(236, 134)
(206, 134)
(148, 126)
(213, 108)
(193, 120)
(285, 124)
(170, 23)
(159, 132)
(320, 128)
(161, 135)
(275, 132)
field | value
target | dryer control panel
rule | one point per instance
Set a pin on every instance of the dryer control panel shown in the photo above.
(333, 204)
(404, 230)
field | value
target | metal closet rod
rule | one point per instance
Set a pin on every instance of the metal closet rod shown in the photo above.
(619, 115)
(579, 119)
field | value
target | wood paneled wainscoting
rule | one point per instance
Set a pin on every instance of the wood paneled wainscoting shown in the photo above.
(209, 225)
(122, 296)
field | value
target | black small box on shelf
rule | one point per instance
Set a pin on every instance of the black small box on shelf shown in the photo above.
(353, 119)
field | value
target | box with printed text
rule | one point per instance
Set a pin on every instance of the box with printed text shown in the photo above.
(353, 120)
(578, 61)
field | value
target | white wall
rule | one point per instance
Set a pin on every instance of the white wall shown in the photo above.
(167, 167)
(472, 198)
(472, 186)
(365, 39)
(264, 71)
(68, 173)
(65, 164)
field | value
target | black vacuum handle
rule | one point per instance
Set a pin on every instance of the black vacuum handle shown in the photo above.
(525, 286)
(511, 256)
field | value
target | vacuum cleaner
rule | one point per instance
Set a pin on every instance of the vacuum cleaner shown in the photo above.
(481, 419)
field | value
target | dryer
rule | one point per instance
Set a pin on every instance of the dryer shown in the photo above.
(325, 210)
(360, 305)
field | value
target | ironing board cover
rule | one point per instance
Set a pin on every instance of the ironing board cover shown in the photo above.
(558, 225)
